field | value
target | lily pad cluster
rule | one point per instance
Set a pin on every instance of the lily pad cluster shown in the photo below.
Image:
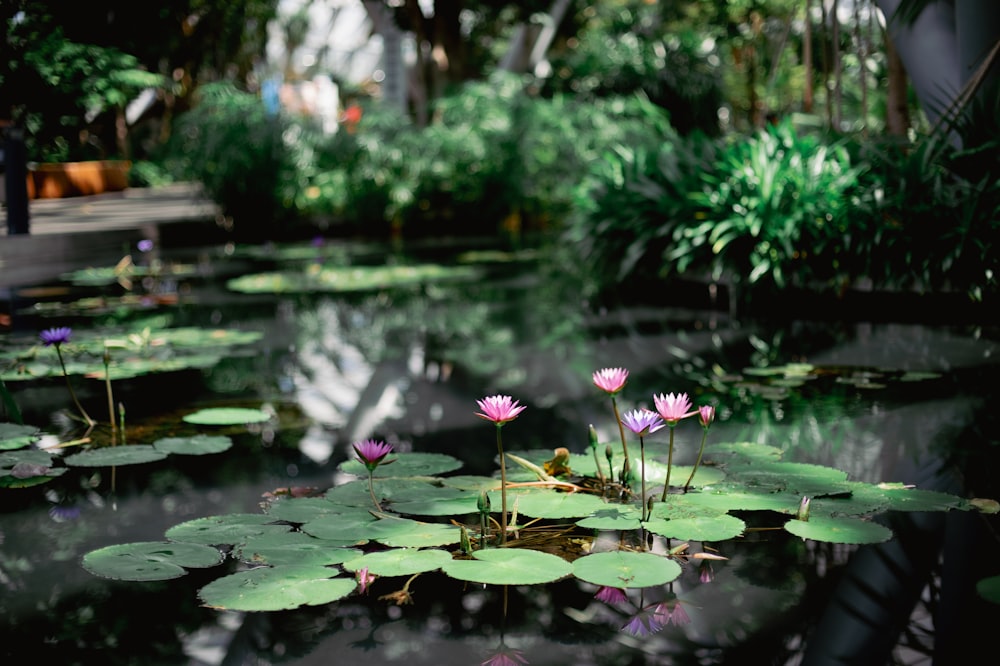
(320, 278)
(315, 550)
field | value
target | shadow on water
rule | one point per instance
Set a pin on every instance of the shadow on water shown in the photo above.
(895, 402)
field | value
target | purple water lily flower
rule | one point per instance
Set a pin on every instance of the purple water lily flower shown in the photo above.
(56, 336)
(372, 452)
(642, 421)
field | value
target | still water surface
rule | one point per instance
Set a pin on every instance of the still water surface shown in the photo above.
(886, 401)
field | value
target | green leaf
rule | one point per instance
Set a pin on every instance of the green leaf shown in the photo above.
(549, 503)
(406, 533)
(293, 548)
(15, 436)
(276, 588)
(703, 528)
(149, 560)
(400, 561)
(613, 517)
(839, 530)
(406, 464)
(989, 589)
(226, 416)
(115, 456)
(626, 569)
(229, 529)
(509, 566)
(196, 445)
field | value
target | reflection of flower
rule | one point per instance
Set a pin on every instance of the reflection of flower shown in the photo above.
(611, 380)
(499, 408)
(506, 656)
(611, 595)
(644, 623)
(705, 572)
(672, 613)
(145, 245)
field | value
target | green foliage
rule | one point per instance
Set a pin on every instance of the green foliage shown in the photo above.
(785, 208)
(232, 146)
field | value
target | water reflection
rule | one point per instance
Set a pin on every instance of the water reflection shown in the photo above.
(408, 365)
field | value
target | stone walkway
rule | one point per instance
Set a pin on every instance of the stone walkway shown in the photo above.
(62, 232)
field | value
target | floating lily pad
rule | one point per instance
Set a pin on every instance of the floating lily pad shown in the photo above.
(406, 533)
(336, 279)
(223, 416)
(747, 450)
(116, 456)
(352, 529)
(305, 509)
(406, 464)
(626, 569)
(293, 548)
(613, 517)
(839, 530)
(149, 560)
(400, 561)
(552, 504)
(737, 498)
(509, 566)
(228, 529)
(989, 589)
(196, 445)
(276, 588)
(704, 528)
(15, 436)
(915, 499)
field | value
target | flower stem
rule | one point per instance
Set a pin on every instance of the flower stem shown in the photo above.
(642, 455)
(107, 388)
(626, 467)
(503, 490)
(670, 462)
(72, 394)
(704, 436)
(371, 491)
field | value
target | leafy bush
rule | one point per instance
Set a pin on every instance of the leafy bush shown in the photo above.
(239, 153)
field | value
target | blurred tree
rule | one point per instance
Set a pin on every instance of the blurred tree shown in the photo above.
(71, 67)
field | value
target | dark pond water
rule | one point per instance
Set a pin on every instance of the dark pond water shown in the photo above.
(883, 400)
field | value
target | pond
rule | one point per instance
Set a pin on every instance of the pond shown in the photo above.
(332, 343)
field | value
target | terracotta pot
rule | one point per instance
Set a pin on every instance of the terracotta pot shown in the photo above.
(52, 180)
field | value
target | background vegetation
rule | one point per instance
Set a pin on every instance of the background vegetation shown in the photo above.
(763, 144)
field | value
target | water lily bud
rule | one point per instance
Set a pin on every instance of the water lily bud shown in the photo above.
(484, 502)
(593, 437)
(466, 543)
(803, 513)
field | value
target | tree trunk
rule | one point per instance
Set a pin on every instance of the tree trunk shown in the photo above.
(897, 113)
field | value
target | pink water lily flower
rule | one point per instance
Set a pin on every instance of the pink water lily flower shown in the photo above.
(673, 407)
(642, 421)
(372, 452)
(499, 408)
(611, 380)
(706, 414)
(364, 579)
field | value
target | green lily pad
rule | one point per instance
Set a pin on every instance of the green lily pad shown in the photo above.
(223, 416)
(306, 509)
(229, 529)
(276, 588)
(915, 499)
(149, 560)
(509, 566)
(406, 464)
(839, 530)
(797, 478)
(552, 504)
(400, 561)
(703, 528)
(406, 533)
(746, 450)
(626, 569)
(351, 529)
(989, 589)
(613, 517)
(336, 279)
(16, 436)
(115, 456)
(293, 548)
(737, 498)
(196, 445)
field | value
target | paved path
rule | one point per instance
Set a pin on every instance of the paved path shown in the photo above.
(63, 231)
